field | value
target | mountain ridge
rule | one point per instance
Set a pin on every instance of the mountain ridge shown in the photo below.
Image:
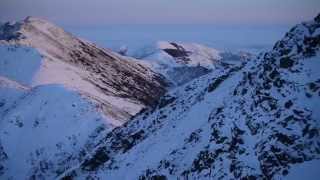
(98, 72)
(255, 122)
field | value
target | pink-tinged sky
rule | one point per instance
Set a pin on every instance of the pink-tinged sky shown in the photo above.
(104, 12)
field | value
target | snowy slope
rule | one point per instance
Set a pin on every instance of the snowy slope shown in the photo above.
(183, 62)
(256, 121)
(20, 64)
(41, 127)
(45, 129)
(120, 86)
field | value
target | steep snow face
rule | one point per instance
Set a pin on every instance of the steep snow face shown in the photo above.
(19, 64)
(256, 121)
(182, 62)
(46, 128)
(122, 87)
(312, 167)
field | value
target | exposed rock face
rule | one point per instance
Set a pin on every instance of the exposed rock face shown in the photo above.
(256, 121)
(110, 75)
(178, 52)
(317, 19)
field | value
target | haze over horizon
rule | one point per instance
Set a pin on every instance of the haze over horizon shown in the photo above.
(98, 12)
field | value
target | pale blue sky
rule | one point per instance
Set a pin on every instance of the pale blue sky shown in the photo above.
(104, 12)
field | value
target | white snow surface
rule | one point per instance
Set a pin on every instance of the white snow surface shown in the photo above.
(46, 124)
(19, 64)
(308, 170)
(40, 123)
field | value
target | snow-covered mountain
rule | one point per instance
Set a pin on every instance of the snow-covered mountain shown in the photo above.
(183, 62)
(122, 87)
(59, 95)
(259, 120)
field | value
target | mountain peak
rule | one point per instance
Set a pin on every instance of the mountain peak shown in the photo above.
(37, 21)
(26, 28)
(32, 18)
